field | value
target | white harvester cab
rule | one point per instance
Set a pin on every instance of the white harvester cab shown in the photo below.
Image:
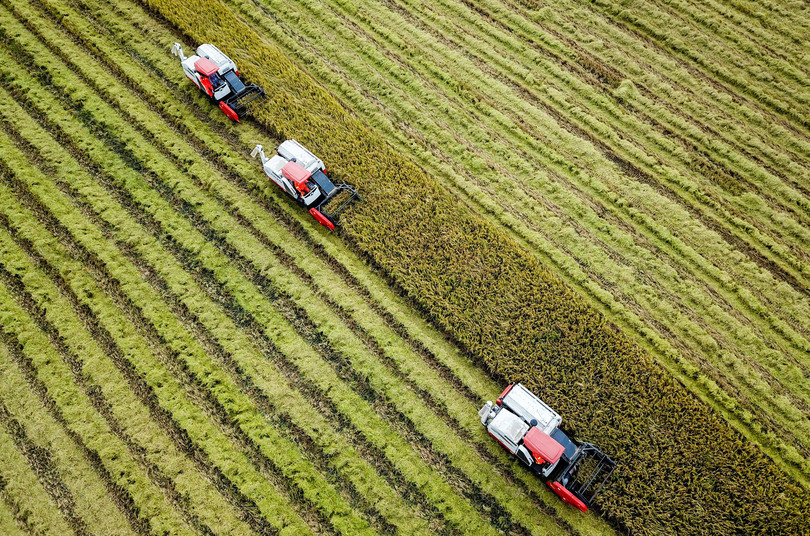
(302, 175)
(216, 75)
(528, 428)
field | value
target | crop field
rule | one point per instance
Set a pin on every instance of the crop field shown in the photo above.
(669, 184)
(184, 351)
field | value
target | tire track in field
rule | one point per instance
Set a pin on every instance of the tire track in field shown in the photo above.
(689, 90)
(724, 63)
(39, 459)
(709, 74)
(700, 157)
(21, 519)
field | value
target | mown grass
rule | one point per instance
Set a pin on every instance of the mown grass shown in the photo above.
(506, 310)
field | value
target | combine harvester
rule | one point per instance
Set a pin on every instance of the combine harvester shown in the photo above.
(217, 76)
(529, 429)
(302, 175)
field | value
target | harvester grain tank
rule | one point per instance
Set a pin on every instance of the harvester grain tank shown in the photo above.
(302, 175)
(216, 75)
(528, 428)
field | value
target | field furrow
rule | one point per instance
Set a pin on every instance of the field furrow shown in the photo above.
(154, 451)
(37, 359)
(64, 457)
(32, 507)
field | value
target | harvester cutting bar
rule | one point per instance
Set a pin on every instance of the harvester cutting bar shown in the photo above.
(248, 94)
(352, 195)
(597, 466)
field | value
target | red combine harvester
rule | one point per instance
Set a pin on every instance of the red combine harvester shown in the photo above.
(302, 175)
(529, 429)
(217, 76)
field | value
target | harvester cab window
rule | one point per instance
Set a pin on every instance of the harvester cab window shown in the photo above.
(234, 82)
(215, 80)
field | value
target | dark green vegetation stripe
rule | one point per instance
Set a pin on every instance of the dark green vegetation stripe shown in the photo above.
(681, 466)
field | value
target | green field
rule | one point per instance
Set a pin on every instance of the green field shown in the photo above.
(182, 351)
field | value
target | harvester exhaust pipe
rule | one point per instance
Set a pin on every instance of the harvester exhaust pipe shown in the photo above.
(177, 50)
(258, 150)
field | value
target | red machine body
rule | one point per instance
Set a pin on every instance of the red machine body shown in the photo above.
(528, 428)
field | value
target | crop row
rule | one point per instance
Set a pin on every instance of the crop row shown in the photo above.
(447, 232)
(752, 365)
(714, 59)
(504, 151)
(166, 385)
(133, 157)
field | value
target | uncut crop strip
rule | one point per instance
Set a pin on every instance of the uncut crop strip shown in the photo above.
(407, 250)
(730, 403)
